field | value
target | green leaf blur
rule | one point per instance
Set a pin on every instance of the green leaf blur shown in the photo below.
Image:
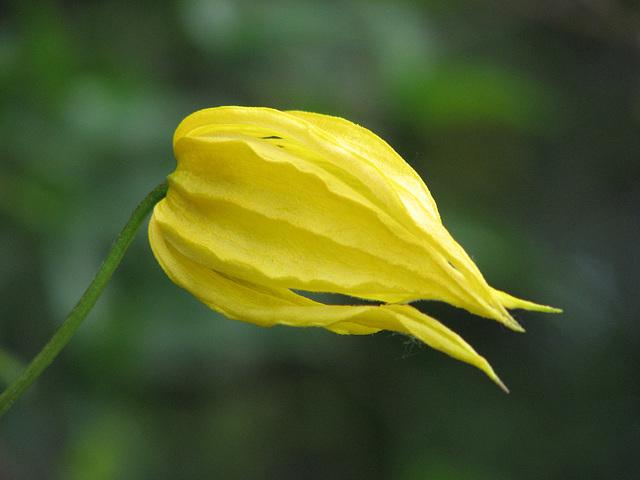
(522, 118)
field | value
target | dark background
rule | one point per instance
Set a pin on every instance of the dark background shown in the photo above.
(521, 116)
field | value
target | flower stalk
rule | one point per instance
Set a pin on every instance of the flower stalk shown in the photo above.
(266, 205)
(85, 304)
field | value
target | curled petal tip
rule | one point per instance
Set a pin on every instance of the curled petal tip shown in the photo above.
(519, 328)
(501, 385)
(511, 302)
(486, 368)
(549, 309)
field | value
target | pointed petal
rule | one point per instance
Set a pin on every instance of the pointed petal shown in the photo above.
(265, 306)
(296, 200)
(249, 191)
(512, 302)
(437, 336)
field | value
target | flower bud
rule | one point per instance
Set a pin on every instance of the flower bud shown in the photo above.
(264, 204)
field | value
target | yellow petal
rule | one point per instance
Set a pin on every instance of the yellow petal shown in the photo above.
(281, 167)
(265, 202)
(412, 191)
(266, 306)
(334, 240)
(512, 302)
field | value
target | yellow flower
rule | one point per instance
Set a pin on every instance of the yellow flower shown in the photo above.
(266, 203)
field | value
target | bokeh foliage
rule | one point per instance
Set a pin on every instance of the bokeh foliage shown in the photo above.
(522, 117)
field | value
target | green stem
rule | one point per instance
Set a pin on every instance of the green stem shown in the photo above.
(86, 303)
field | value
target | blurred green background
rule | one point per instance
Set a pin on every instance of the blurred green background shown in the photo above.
(521, 116)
